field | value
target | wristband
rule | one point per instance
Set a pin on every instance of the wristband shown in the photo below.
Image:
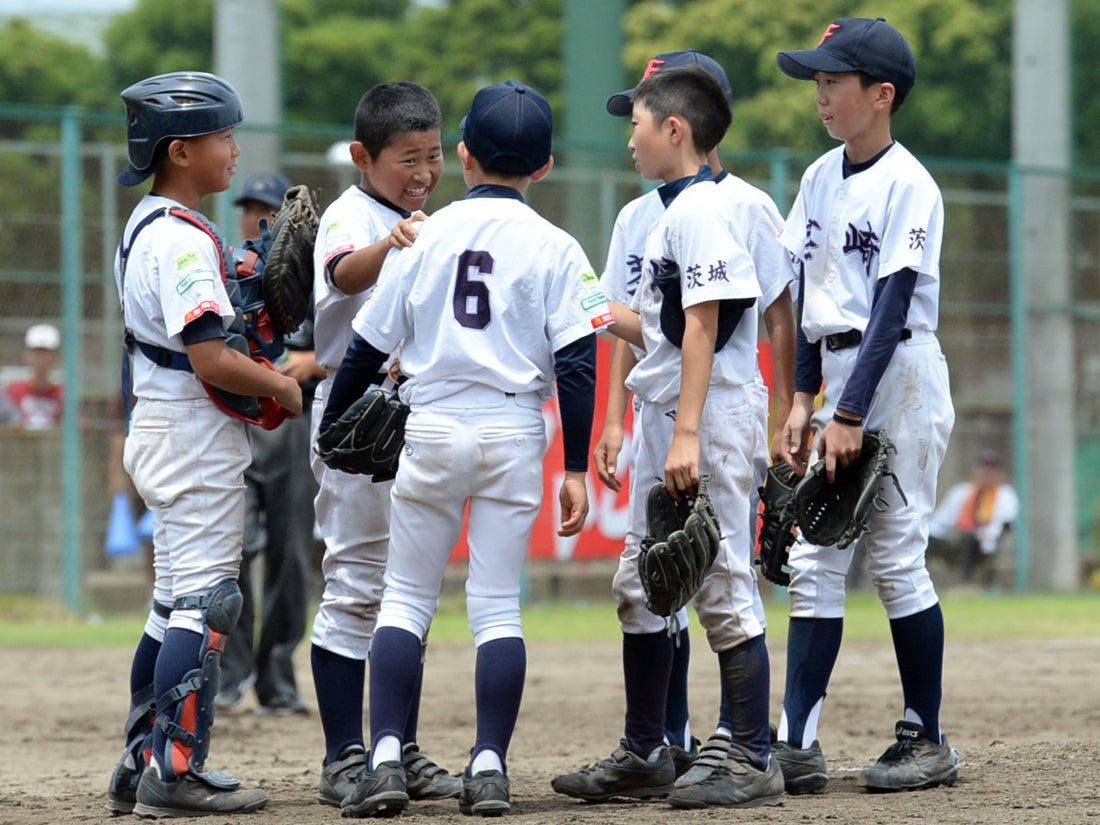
(847, 422)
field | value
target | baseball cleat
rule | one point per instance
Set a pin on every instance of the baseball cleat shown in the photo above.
(486, 793)
(339, 778)
(426, 780)
(122, 792)
(711, 755)
(803, 769)
(683, 759)
(912, 763)
(380, 792)
(189, 796)
(736, 783)
(622, 774)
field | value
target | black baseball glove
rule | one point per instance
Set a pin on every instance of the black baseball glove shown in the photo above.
(288, 274)
(368, 438)
(777, 523)
(837, 513)
(681, 544)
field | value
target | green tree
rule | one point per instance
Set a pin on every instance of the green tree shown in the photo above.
(960, 106)
(46, 70)
(156, 37)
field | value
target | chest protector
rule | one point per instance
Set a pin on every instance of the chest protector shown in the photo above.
(251, 332)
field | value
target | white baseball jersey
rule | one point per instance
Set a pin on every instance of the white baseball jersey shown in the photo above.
(850, 232)
(623, 271)
(185, 456)
(353, 221)
(694, 236)
(173, 276)
(486, 295)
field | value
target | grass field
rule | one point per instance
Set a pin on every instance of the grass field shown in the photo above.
(27, 622)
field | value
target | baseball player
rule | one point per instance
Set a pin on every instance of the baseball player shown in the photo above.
(398, 148)
(757, 223)
(865, 231)
(692, 316)
(491, 305)
(185, 455)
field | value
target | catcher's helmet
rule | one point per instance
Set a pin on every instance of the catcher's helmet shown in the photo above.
(174, 105)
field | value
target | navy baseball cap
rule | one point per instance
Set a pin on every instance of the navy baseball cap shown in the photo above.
(856, 44)
(621, 105)
(265, 188)
(509, 128)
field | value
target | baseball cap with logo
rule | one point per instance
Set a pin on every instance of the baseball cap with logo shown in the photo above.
(856, 44)
(43, 336)
(509, 128)
(265, 188)
(620, 104)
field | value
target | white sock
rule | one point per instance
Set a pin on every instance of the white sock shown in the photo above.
(388, 749)
(486, 760)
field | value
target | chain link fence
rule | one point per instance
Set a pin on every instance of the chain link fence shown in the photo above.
(62, 219)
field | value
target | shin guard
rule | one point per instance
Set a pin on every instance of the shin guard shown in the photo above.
(186, 712)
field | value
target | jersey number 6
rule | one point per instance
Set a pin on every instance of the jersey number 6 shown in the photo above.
(471, 298)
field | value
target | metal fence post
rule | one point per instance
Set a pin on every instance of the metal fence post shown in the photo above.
(72, 314)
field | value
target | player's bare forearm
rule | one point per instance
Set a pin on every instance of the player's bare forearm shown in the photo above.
(627, 326)
(697, 358)
(225, 368)
(573, 498)
(607, 450)
(358, 271)
(796, 436)
(780, 323)
(301, 365)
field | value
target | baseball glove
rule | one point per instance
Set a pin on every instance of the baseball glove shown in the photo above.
(837, 513)
(680, 545)
(288, 273)
(367, 439)
(777, 523)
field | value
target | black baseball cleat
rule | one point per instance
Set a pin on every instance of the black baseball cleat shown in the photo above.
(486, 793)
(804, 769)
(912, 763)
(189, 796)
(622, 774)
(380, 792)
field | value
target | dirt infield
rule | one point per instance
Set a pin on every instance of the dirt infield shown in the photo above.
(1024, 715)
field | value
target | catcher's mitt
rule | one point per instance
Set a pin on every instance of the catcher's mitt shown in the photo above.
(837, 513)
(680, 545)
(777, 522)
(288, 273)
(367, 439)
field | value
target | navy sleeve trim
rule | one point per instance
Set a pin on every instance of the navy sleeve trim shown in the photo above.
(575, 371)
(807, 365)
(204, 328)
(358, 370)
(889, 311)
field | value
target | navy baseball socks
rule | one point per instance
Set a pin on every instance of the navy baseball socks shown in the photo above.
(748, 777)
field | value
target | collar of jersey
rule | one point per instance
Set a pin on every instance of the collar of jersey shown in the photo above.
(848, 168)
(494, 190)
(404, 213)
(670, 190)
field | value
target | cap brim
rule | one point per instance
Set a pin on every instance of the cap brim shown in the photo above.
(621, 104)
(132, 177)
(805, 63)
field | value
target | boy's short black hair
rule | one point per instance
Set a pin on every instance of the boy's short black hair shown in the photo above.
(695, 95)
(390, 110)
